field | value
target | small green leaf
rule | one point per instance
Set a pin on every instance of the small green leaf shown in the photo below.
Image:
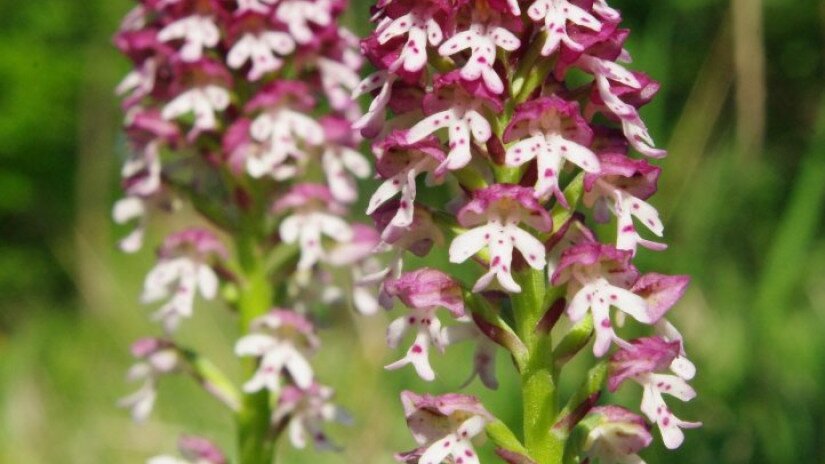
(490, 322)
(573, 193)
(503, 437)
(576, 338)
(583, 400)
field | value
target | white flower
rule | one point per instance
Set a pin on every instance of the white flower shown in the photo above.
(127, 210)
(203, 102)
(306, 410)
(555, 14)
(281, 339)
(178, 279)
(463, 118)
(156, 358)
(341, 164)
(373, 120)
(261, 50)
(298, 14)
(198, 32)
(420, 28)
(482, 39)
(339, 80)
(635, 131)
(284, 133)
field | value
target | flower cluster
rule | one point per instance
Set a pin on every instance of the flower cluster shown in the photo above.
(477, 94)
(242, 112)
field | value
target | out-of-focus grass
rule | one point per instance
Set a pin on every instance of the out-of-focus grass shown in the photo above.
(748, 228)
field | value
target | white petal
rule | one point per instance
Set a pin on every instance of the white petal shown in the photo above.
(438, 451)
(207, 282)
(530, 247)
(300, 370)
(630, 303)
(468, 244)
(254, 345)
(429, 125)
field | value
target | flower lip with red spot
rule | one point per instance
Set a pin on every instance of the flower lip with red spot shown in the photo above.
(645, 355)
(590, 254)
(641, 177)
(505, 196)
(661, 292)
(427, 288)
(294, 93)
(574, 126)
(196, 240)
(396, 153)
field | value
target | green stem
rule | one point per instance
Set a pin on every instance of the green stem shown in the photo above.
(538, 383)
(255, 446)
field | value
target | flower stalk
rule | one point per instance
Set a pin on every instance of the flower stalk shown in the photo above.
(240, 112)
(479, 90)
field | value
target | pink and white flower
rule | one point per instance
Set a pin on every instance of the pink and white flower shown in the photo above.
(621, 186)
(305, 410)
(554, 15)
(299, 15)
(551, 131)
(182, 271)
(342, 164)
(423, 291)
(399, 163)
(495, 214)
(444, 427)
(203, 102)
(482, 37)
(284, 128)
(457, 106)
(283, 340)
(598, 277)
(262, 50)
(315, 214)
(421, 28)
(639, 362)
(617, 437)
(156, 358)
(197, 32)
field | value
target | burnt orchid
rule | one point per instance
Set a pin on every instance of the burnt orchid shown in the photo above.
(475, 94)
(239, 115)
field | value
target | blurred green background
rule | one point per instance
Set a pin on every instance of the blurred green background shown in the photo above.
(742, 111)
